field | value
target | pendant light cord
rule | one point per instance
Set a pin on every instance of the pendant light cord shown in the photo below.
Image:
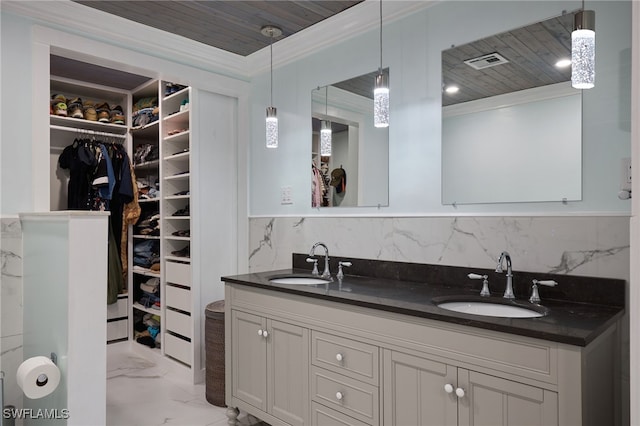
(271, 67)
(326, 100)
(381, 36)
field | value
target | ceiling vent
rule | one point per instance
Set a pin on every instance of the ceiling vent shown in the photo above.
(486, 61)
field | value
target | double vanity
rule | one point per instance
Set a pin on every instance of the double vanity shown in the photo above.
(382, 346)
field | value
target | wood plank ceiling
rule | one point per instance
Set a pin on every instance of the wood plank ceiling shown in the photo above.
(231, 25)
(532, 52)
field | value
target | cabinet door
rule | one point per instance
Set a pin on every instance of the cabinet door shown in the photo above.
(248, 358)
(288, 372)
(494, 401)
(414, 391)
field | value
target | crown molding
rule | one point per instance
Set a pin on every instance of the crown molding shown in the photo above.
(81, 20)
(354, 21)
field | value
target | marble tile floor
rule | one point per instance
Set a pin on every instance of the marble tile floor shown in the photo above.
(141, 393)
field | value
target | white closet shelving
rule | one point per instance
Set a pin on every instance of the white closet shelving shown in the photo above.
(63, 131)
(176, 236)
(145, 266)
(173, 174)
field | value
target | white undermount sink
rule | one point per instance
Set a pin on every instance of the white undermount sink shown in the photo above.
(490, 309)
(298, 280)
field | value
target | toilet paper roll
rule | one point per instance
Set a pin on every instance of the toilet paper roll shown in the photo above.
(38, 377)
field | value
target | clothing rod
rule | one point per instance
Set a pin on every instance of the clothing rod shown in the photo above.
(87, 132)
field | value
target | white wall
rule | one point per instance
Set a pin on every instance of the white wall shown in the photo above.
(412, 48)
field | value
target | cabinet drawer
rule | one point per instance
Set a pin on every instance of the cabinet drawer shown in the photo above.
(178, 323)
(118, 309)
(178, 298)
(345, 395)
(117, 330)
(178, 273)
(345, 356)
(177, 348)
(324, 416)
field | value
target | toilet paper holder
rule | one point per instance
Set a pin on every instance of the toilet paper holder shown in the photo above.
(54, 358)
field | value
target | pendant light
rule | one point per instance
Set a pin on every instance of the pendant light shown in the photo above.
(325, 129)
(272, 117)
(583, 50)
(381, 91)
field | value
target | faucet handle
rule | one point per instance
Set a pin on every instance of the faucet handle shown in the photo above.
(340, 274)
(485, 283)
(535, 295)
(315, 265)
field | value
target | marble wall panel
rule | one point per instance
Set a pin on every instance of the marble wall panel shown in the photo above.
(11, 307)
(584, 245)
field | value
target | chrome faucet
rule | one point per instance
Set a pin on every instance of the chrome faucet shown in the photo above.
(326, 273)
(508, 291)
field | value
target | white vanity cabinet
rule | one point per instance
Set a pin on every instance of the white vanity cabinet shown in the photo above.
(349, 365)
(420, 391)
(270, 368)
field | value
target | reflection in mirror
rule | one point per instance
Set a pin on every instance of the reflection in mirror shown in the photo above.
(511, 123)
(356, 174)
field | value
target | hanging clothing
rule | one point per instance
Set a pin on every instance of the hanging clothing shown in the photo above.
(100, 178)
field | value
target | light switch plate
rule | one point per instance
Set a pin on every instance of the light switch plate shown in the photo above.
(285, 195)
(625, 176)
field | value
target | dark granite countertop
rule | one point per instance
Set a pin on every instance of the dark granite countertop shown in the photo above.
(567, 321)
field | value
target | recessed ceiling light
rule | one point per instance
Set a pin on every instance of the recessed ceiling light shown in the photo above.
(563, 63)
(452, 89)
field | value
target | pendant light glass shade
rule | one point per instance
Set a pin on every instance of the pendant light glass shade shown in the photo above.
(272, 127)
(583, 50)
(325, 138)
(381, 101)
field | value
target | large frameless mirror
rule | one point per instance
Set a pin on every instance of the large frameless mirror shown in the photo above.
(511, 123)
(356, 171)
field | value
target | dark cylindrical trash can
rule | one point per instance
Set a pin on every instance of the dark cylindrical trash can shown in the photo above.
(214, 348)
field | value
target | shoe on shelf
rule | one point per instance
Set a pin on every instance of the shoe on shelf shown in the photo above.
(182, 233)
(90, 112)
(184, 252)
(182, 212)
(104, 112)
(117, 116)
(59, 105)
(74, 108)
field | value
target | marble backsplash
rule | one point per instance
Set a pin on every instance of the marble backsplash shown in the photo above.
(596, 246)
(11, 307)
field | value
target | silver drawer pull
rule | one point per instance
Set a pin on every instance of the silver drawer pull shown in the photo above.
(339, 357)
(339, 396)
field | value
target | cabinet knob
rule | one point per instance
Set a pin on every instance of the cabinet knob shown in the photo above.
(339, 396)
(448, 388)
(260, 332)
(339, 357)
(265, 334)
(460, 392)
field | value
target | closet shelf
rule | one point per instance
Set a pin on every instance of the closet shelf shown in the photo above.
(178, 258)
(178, 137)
(139, 307)
(146, 272)
(178, 217)
(172, 237)
(148, 200)
(183, 176)
(178, 94)
(148, 130)
(179, 117)
(80, 124)
(147, 165)
(146, 237)
(180, 156)
(177, 197)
